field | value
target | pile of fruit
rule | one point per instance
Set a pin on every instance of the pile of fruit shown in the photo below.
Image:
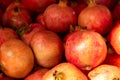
(59, 40)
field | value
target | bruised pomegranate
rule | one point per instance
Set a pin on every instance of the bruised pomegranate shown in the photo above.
(105, 72)
(96, 17)
(47, 47)
(85, 49)
(64, 71)
(16, 15)
(59, 17)
(17, 58)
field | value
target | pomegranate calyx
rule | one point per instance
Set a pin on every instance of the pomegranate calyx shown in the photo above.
(63, 3)
(58, 75)
(21, 30)
(87, 67)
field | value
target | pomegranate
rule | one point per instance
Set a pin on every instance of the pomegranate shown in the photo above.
(113, 59)
(85, 49)
(59, 17)
(78, 6)
(26, 33)
(108, 3)
(40, 19)
(37, 5)
(113, 37)
(37, 75)
(17, 59)
(4, 77)
(96, 17)
(16, 15)
(105, 72)
(64, 71)
(47, 47)
(6, 34)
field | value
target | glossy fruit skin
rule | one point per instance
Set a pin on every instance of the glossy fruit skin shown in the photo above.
(37, 5)
(105, 72)
(96, 17)
(66, 71)
(48, 48)
(113, 37)
(59, 18)
(16, 15)
(85, 49)
(17, 59)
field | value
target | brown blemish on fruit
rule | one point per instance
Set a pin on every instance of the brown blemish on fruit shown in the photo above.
(116, 79)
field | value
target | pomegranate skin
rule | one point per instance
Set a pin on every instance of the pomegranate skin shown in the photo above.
(48, 48)
(114, 37)
(85, 49)
(16, 15)
(37, 5)
(105, 72)
(97, 18)
(59, 18)
(17, 59)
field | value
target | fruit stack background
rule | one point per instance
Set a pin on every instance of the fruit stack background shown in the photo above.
(59, 40)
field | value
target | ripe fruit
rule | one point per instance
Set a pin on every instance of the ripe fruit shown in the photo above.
(6, 34)
(96, 17)
(17, 59)
(27, 33)
(59, 17)
(16, 15)
(64, 71)
(113, 37)
(113, 59)
(85, 49)
(47, 47)
(37, 5)
(37, 75)
(105, 72)
(108, 3)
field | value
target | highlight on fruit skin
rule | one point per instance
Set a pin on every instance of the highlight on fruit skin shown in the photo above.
(86, 49)
(64, 71)
(105, 72)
